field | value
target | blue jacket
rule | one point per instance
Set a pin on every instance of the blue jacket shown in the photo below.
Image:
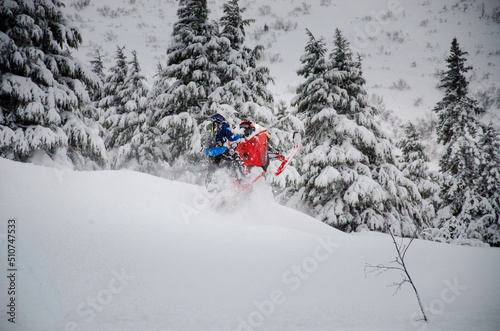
(223, 135)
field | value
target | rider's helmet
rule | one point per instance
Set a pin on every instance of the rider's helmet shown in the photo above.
(227, 113)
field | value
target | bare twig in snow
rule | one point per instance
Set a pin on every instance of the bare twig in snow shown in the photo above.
(398, 264)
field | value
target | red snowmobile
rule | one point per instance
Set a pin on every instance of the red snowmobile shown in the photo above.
(254, 149)
(254, 152)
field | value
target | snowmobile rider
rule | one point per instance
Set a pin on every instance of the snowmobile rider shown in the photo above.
(218, 148)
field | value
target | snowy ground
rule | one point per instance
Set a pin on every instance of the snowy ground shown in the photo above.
(404, 40)
(118, 250)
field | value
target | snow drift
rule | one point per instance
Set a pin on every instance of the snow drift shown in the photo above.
(119, 250)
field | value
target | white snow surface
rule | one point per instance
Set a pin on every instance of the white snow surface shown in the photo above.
(120, 250)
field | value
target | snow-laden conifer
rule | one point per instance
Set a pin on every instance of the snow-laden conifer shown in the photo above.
(489, 181)
(242, 80)
(179, 108)
(128, 126)
(349, 171)
(152, 153)
(465, 206)
(92, 110)
(413, 164)
(43, 88)
(98, 68)
(314, 93)
(114, 84)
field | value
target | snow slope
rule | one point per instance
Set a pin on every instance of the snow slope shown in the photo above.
(398, 39)
(118, 250)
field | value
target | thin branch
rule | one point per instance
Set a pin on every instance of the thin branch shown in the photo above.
(401, 258)
(380, 268)
(408, 246)
(401, 250)
(398, 285)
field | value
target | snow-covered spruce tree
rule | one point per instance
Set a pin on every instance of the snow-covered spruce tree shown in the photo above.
(465, 210)
(413, 164)
(190, 65)
(233, 25)
(111, 102)
(111, 94)
(254, 78)
(455, 84)
(350, 176)
(160, 84)
(489, 181)
(98, 69)
(43, 88)
(128, 127)
(232, 64)
(152, 154)
(257, 79)
(313, 94)
(92, 110)
(242, 81)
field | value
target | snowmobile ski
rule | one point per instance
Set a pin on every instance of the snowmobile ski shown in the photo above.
(230, 194)
(285, 160)
(249, 183)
